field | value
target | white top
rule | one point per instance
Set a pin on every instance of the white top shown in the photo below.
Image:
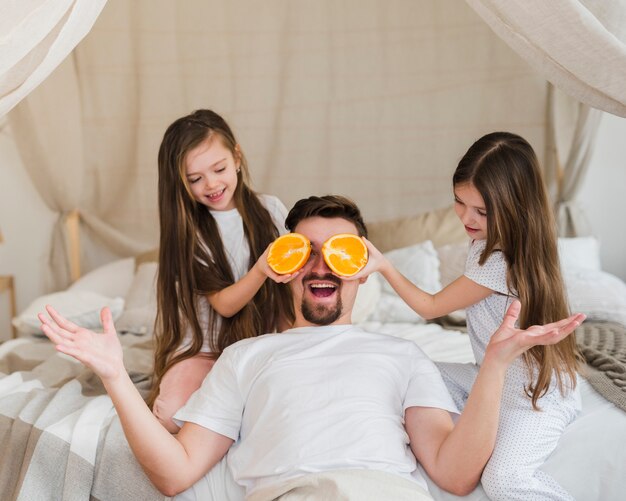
(316, 399)
(230, 225)
(485, 317)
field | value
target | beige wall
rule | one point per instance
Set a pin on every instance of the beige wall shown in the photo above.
(603, 195)
(26, 224)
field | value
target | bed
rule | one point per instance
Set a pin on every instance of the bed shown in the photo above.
(61, 437)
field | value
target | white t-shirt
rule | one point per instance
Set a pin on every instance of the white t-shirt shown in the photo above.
(230, 225)
(316, 399)
(485, 317)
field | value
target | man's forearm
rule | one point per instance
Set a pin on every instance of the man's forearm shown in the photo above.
(162, 457)
(470, 444)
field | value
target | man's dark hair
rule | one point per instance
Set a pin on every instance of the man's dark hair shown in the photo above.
(327, 206)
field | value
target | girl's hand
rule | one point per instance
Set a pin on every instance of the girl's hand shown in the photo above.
(508, 342)
(102, 353)
(263, 267)
(376, 261)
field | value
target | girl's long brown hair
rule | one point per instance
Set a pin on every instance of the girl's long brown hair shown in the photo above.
(185, 224)
(504, 169)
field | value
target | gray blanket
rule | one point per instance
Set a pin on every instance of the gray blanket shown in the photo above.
(60, 438)
(603, 345)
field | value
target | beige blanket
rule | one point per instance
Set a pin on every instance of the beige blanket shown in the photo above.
(61, 437)
(344, 485)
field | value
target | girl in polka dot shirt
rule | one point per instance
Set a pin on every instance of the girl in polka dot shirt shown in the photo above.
(501, 200)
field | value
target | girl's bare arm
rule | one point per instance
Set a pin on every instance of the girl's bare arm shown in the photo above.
(461, 293)
(230, 300)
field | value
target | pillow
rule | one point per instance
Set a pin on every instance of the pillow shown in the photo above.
(440, 226)
(147, 257)
(111, 280)
(141, 302)
(580, 253)
(367, 299)
(597, 294)
(81, 307)
(420, 264)
(452, 260)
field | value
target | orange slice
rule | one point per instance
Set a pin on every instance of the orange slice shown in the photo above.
(288, 253)
(345, 254)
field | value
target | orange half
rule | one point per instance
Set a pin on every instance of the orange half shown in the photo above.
(288, 253)
(345, 254)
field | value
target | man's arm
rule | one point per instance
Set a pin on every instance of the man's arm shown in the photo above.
(173, 463)
(454, 455)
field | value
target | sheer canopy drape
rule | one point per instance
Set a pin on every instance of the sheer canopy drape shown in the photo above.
(571, 133)
(35, 36)
(578, 45)
(374, 99)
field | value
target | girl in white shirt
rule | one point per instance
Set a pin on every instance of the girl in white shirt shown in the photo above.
(212, 289)
(501, 200)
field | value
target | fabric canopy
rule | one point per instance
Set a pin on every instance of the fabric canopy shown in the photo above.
(376, 100)
(35, 36)
(578, 45)
(571, 133)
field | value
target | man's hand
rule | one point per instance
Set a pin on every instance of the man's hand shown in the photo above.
(508, 342)
(102, 353)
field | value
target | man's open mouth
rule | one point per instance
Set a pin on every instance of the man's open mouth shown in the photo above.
(322, 285)
(322, 289)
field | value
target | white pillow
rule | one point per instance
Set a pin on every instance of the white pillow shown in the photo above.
(597, 294)
(580, 253)
(111, 280)
(420, 264)
(81, 307)
(141, 302)
(367, 299)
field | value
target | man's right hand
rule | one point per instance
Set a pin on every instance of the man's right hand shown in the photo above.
(102, 353)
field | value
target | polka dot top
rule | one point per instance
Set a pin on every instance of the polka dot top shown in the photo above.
(484, 317)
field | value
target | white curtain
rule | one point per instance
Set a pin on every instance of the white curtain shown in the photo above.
(373, 99)
(578, 45)
(571, 132)
(35, 36)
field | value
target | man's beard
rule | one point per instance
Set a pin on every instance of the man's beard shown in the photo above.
(319, 314)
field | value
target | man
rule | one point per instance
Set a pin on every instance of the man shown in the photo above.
(323, 408)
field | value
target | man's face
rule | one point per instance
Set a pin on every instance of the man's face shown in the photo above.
(321, 298)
